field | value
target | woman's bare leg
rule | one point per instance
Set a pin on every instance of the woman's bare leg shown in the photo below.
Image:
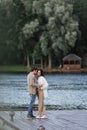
(44, 110)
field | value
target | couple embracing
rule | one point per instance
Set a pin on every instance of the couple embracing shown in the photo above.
(37, 87)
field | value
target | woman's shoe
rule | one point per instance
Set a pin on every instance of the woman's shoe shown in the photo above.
(44, 116)
(38, 117)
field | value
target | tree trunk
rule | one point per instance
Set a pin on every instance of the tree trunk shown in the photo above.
(33, 60)
(49, 61)
(28, 61)
(41, 62)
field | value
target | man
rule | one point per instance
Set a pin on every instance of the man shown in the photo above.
(32, 86)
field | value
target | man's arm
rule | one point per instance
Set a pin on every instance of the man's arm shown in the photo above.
(32, 81)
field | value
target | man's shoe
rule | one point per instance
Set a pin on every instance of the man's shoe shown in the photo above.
(30, 117)
(33, 116)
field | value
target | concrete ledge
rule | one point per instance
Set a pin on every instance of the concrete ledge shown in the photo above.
(7, 123)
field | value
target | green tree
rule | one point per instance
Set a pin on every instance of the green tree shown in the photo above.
(29, 25)
(5, 28)
(12, 19)
(29, 32)
(58, 27)
(80, 9)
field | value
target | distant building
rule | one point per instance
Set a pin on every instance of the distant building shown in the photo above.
(71, 62)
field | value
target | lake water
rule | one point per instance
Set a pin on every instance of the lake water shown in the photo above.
(66, 91)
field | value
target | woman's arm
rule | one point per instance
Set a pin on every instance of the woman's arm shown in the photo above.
(42, 81)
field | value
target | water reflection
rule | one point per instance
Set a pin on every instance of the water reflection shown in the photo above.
(65, 90)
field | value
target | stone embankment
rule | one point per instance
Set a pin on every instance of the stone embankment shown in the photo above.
(61, 70)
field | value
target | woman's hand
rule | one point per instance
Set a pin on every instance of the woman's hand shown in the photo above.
(40, 86)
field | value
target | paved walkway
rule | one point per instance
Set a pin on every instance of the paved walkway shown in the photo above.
(57, 120)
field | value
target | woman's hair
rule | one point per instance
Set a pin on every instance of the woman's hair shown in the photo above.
(42, 73)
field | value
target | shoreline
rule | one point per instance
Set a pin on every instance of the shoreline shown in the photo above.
(48, 107)
(61, 70)
(24, 69)
(48, 71)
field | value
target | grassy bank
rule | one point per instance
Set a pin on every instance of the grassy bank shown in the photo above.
(24, 69)
(14, 69)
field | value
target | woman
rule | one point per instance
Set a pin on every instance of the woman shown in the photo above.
(42, 93)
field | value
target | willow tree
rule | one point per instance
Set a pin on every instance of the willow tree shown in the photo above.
(28, 34)
(59, 28)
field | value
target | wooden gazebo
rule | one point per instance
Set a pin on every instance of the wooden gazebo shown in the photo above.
(71, 62)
